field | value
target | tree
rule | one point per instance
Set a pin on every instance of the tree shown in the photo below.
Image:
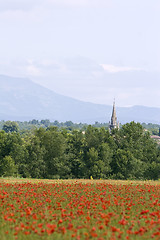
(55, 158)
(127, 153)
(10, 126)
(74, 151)
(153, 170)
(45, 122)
(35, 164)
(7, 167)
(34, 122)
(134, 152)
(105, 155)
(126, 166)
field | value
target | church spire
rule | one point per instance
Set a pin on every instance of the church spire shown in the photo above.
(113, 123)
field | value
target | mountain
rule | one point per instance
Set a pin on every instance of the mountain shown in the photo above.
(21, 99)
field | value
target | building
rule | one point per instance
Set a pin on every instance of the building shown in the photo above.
(156, 138)
(113, 124)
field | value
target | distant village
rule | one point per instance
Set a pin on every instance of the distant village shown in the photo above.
(113, 124)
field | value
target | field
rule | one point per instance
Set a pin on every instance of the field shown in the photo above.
(79, 209)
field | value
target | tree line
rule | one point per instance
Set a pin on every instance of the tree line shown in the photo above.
(154, 129)
(53, 153)
(32, 124)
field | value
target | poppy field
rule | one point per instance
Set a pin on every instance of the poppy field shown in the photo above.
(79, 209)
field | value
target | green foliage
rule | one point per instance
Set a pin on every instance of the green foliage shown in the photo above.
(54, 152)
(34, 164)
(7, 167)
(152, 128)
(10, 126)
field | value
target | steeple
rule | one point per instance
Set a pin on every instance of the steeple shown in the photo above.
(113, 123)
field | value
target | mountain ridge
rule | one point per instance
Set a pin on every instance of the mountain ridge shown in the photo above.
(22, 99)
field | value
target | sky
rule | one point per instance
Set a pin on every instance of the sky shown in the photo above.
(92, 50)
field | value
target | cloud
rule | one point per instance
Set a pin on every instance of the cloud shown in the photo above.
(82, 64)
(101, 3)
(45, 68)
(70, 77)
(33, 71)
(16, 5)
(82, 3)
(26, 5)
(114, 69)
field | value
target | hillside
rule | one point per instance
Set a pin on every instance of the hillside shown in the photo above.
(21, 99)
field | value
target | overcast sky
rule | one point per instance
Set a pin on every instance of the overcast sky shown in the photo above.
(93, 50)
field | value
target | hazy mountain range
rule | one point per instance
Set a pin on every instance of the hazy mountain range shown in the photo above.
(21, 99)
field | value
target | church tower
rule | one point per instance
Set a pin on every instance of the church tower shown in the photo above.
(113, 124)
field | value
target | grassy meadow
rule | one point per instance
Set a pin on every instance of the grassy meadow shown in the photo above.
(79, 209)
